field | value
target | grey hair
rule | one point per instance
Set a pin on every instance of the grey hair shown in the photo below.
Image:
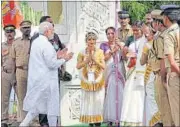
(44, 26)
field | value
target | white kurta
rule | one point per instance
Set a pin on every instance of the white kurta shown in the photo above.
(134, 92)
(42, 95)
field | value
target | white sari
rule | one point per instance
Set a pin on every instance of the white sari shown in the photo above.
(92, 95)
(151, 110)
(115, 81)
(134, 91)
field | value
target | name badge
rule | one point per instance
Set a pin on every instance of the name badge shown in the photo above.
(91, 77)
(113, 66)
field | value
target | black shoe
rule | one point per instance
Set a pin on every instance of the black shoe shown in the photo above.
(4, 125)
(158, 125)
(91, 125)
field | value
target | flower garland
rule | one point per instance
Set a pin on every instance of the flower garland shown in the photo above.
(91, 86)
(98, 79)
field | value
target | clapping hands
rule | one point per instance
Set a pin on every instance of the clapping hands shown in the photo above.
(68, 56)
(89, 58)
(62, 54)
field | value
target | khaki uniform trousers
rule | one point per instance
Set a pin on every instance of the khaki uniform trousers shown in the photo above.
(21, 77)
(162, 99)
(174, 96)
(8, 82)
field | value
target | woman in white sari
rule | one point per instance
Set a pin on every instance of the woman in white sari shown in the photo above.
(115, 77)
(134, 92)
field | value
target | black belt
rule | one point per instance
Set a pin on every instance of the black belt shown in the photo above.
(22, 67)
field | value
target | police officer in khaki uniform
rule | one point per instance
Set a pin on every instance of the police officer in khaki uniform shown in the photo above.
(7, 71)
(20, 54)
(125, 30)
(156, 58)
(172, 51)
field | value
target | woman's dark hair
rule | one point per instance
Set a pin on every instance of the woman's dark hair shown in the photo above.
(112, 28)
(137, 23)
(44, 18)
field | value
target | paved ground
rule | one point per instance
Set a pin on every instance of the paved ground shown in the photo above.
(15, 124)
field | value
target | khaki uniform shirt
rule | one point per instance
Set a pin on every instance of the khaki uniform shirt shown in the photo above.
(123, 34)
(157, 51)
(171, 42)
(20, 52)
(8, 65)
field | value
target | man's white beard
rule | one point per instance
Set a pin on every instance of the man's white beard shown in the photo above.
(51, 37)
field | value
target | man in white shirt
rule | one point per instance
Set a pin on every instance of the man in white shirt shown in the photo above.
(42, 95)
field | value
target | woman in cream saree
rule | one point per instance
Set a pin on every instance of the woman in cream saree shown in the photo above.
(91, 65)
(134, 92)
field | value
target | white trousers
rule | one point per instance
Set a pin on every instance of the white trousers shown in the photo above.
(52, 120)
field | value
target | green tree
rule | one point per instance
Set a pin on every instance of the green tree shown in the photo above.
(138, 9)
(29, 13)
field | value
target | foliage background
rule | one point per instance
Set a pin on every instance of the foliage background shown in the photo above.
(138, 9)
(29, 13)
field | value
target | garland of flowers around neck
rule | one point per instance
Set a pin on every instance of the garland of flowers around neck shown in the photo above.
(97, 80)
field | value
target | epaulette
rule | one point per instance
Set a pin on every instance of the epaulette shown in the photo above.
(173, 30)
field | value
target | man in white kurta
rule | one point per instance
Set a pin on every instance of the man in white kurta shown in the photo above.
(42, 95)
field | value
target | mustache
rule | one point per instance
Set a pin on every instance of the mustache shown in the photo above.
(9, 35)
